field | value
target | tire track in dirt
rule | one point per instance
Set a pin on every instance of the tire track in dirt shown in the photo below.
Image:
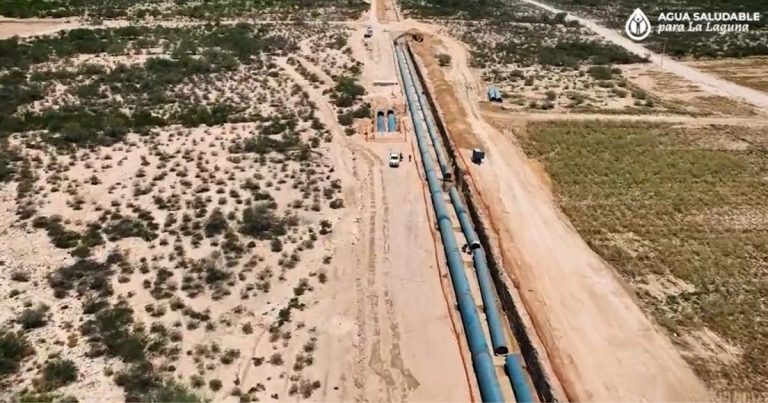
(396, 358)
(360, 296)
(376, 362)
(396, 362)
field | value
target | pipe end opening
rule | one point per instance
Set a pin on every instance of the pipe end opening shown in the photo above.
(501, 350)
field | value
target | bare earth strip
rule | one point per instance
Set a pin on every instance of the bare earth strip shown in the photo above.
(404, 329)
(601, 344)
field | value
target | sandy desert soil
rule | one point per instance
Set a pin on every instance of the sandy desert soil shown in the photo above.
(12, 27)
(351, 305)
(577, 303)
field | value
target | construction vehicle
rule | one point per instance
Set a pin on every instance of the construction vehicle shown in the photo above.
(478, 155)
(394, 160)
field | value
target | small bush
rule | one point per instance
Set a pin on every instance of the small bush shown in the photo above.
(20, 276)
(58, 373)
(13, 349)
(215, 385)
(600, 72)
(336, 204)
(33, 318)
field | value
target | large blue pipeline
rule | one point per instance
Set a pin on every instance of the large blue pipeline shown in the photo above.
(391, 126)
(482, 362)
(517, 378)
(487, 290)
(429, 119)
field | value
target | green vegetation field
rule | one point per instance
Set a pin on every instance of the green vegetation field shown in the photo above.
(681, 214)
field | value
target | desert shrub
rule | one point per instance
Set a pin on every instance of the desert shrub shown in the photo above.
(276, 359)
(571, 53)
(33, 318)
(14, 347)
(444, 59)
(20, 276)
(215, 385)
(276, 245)
(85, 275)
(346, 119)
(336, 204)
(348, 87)
(30, 397)
(216, 224)
(128, 228)
(262, 223)
(112, 329)
(58, 373)
(60, 236)
(141, 384)
(196, 381)
(600, 72)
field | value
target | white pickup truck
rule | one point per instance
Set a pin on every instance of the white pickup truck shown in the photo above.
(394, 160)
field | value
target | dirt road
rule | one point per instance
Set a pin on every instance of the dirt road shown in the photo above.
(395, 327)
(707, 82)
(602, 346)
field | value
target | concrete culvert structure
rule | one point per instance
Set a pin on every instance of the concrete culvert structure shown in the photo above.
(381, 125)
(391, 123)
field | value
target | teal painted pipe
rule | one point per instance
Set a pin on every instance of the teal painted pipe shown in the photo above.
(482, 362)
(466, 222)
(437, 144)
(487, 289)
(488, 294)
(517, 378)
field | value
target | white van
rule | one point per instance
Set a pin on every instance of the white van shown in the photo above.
(394, 160)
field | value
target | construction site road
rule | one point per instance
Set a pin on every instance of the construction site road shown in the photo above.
(600, 343)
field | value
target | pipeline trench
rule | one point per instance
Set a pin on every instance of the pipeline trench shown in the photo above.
(502, 370)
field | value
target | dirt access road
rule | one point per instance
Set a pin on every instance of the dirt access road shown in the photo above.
(394, 319)
(601, 345)
(706, 81)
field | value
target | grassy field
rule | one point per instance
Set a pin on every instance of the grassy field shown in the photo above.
(681, 214)
(749, 72)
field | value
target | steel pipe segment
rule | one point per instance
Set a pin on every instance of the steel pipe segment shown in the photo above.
(482, 362)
